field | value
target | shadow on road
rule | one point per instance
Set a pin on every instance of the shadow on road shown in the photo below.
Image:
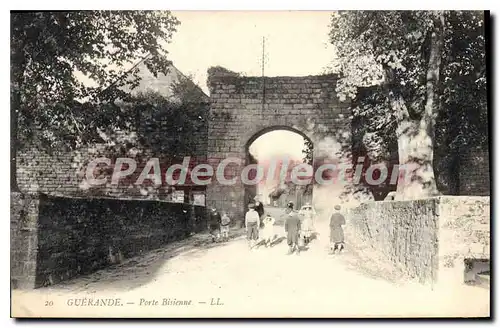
(148, 266)
(142, 269)
(277, 241)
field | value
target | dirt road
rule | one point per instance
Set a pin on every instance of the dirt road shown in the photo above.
(194, 278)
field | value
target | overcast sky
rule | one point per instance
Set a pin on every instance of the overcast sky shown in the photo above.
(296, 43)
(278, 143)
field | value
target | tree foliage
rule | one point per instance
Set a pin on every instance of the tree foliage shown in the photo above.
(179, 120)
(463, 115)
(308, 152)
(68, 68)
(163, 127)
(53, 53)
(414, 76)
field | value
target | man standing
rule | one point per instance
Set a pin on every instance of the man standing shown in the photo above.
(292, 229)
(259, 207)
(337, 220)
(252, 223)
(214, 224)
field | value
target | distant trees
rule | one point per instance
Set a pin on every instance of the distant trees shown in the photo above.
(308, 151)
(288, 187)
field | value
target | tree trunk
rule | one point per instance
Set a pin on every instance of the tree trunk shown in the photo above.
(416, 137)
(415, 147)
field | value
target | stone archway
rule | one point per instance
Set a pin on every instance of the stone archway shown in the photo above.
(250, 191)
(243, 107)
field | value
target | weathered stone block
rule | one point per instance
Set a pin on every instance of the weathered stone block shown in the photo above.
(422, 236)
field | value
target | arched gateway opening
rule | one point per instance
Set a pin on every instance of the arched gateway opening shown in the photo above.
(275, 151)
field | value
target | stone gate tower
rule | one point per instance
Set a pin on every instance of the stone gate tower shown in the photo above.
(243, 108)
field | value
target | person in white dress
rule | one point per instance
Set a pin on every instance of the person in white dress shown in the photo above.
(268, 230)
(307, 213)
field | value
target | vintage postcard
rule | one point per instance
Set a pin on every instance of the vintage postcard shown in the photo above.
(250, 164)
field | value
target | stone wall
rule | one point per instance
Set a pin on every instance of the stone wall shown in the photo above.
(474, 174)
(464, 229)
(63, 172)
(403, 231)
(423, 236)
(63, 237)
(23, 239)
(244, 108)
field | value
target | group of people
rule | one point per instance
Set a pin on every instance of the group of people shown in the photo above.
(218, 226)
(297, 226)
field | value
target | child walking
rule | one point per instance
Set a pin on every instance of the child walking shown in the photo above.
(214, 224)
(268, 230)
(252, 223)
(292, 229)
(224, 226)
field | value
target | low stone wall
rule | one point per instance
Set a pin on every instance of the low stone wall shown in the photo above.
(423, 236)
(404, 232)
(57, 238)
(464, 229)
